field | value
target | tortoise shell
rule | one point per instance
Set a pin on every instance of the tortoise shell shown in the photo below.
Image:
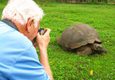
(77, 36)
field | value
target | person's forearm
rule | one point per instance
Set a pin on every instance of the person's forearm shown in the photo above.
(45, 63)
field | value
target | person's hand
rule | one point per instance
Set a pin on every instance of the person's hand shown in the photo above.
(43, 40)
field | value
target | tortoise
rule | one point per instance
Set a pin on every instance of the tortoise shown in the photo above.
(82, 39)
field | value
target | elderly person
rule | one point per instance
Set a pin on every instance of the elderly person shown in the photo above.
(18, 57)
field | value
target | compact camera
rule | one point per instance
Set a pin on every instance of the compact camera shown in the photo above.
(41, 31)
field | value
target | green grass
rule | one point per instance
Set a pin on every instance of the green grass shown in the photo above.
(68, 66)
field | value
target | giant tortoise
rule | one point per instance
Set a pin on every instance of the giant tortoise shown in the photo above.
(82, 39)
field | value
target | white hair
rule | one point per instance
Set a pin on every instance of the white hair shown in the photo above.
(22, 10)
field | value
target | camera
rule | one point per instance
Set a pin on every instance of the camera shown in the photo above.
(41, 31)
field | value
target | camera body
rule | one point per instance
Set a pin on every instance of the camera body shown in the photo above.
(41, 31)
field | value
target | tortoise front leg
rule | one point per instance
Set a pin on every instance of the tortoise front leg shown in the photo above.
(84, 50)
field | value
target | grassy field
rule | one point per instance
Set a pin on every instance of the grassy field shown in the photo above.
(69, 66)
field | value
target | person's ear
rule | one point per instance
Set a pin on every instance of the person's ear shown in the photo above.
(29, 24)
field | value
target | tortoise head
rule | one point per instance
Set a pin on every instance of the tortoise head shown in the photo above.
(97, 48)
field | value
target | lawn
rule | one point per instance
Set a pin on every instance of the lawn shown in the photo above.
(67, 65)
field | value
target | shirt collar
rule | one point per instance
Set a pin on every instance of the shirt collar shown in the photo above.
(8, 22)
